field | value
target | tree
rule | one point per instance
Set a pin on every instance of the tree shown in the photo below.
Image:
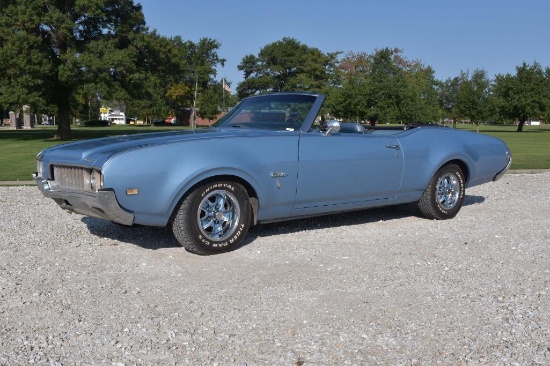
(62, 53)
(350, 100)
(201, 60)
(420, 103)
(524, 95)
(387, 85)
(286, 65)
(384, 86)
(448, 98)
(474, 96)
(162, 68)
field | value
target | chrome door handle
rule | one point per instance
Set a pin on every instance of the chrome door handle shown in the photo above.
(395, 147)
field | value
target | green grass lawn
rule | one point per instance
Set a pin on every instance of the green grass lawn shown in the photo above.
(530, 148)
(18, 148)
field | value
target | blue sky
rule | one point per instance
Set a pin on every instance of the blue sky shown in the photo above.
(449, 36)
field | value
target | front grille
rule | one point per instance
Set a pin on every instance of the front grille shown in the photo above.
(71, 177)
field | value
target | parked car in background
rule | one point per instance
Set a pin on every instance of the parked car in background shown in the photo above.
(270, 158)
(94, 123)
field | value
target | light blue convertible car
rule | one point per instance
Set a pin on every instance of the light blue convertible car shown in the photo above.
(272, 157)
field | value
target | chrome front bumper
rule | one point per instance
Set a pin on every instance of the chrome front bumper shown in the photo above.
(101, 204)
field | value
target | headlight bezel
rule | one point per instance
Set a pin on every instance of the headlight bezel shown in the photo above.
(40, 168)
(96, 180)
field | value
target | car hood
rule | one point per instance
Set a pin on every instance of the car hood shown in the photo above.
(95, 152)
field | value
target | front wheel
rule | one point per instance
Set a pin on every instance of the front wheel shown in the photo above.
(444, 195)
(214, 218)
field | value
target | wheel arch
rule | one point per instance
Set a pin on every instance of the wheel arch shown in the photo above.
(462, 165)
(250, 190)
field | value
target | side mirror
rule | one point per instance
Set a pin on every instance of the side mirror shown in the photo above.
(332, 127)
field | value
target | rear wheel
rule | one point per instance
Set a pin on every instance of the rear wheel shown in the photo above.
(444, 195)
(214, 218)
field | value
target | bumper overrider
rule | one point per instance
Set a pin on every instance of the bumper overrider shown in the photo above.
(102, 204)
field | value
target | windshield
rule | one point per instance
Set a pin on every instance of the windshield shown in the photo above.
(283, 112)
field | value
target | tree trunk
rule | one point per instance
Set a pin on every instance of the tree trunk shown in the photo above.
(64, 117)
(520, 126)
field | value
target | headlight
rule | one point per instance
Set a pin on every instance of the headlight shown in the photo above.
(96, 180)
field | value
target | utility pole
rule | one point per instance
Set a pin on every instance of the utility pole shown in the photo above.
(194, 101)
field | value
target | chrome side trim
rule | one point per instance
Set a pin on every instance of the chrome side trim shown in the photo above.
(503, 171)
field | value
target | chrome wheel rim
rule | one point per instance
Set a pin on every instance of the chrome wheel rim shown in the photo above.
(218, 215)
(448, 191)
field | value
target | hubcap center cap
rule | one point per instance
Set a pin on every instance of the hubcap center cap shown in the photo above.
(219, 215)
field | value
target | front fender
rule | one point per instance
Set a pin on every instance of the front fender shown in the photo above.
(163, 174)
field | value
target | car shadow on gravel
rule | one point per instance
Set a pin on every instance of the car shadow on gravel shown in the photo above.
(147, 237)
(472, 200)
(155, 238)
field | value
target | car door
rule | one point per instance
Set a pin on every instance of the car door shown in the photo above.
(344, 171)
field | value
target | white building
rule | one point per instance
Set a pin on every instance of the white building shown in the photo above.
(114, 116)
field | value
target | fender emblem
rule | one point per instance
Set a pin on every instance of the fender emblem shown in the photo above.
(278, 175)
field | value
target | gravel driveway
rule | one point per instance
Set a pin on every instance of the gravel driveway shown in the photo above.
(373, 287)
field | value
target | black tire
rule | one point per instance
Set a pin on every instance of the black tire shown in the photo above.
(213, 218)
(444, 195)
